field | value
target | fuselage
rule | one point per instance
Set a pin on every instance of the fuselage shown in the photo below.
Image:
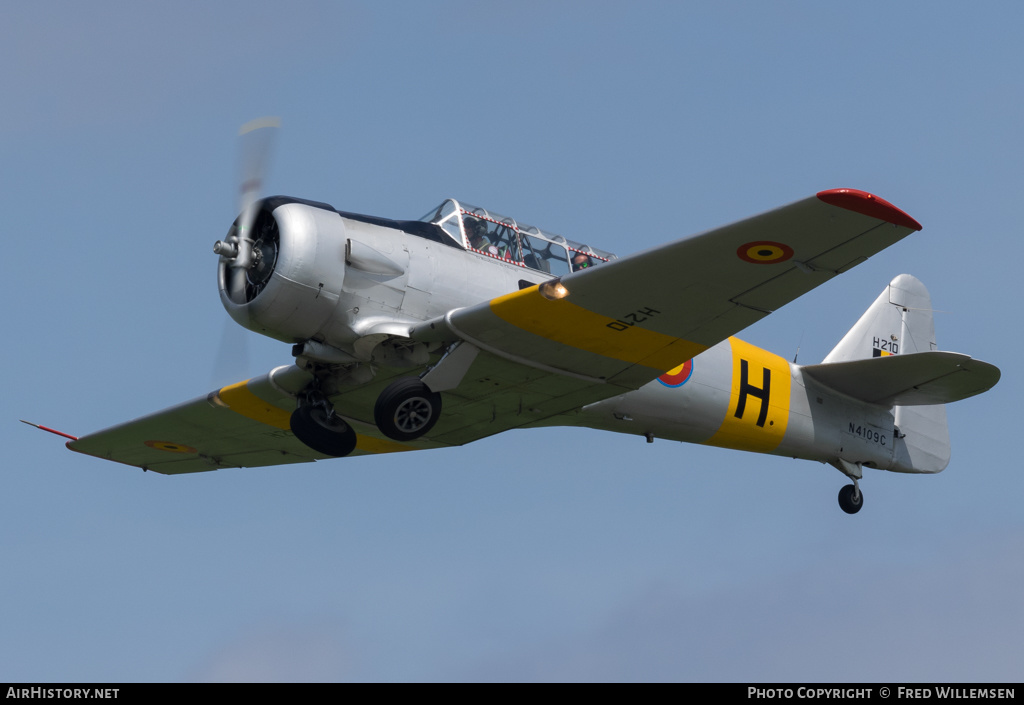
(737, 395)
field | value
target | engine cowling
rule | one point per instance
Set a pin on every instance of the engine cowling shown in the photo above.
(293, 278)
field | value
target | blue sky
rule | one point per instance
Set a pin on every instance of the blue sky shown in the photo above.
(551, 554)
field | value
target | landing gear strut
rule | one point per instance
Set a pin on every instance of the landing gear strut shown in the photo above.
(314, 423)
(406, 409)
(850, 497)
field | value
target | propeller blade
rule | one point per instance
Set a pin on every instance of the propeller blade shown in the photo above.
(232, 359)
(257, 141)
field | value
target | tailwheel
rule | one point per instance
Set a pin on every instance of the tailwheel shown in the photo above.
(406, 409)
(321, 429)
(851, 499)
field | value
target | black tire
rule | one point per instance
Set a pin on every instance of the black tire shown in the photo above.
(406, 409)
(847, 502)
(323, 432)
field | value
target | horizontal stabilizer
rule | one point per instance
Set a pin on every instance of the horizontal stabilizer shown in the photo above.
(915, 379)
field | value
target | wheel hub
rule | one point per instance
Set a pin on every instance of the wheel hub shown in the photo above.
(327, 419)
(412, 414)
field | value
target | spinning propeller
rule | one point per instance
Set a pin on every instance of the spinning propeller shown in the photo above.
(250, 256)
(247, 255)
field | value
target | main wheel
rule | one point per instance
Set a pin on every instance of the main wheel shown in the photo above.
(322, 430)
(850, 499)
(406, 409)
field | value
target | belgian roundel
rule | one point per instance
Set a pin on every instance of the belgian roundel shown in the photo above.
(764, 252)
(677, 376)
(170, 447)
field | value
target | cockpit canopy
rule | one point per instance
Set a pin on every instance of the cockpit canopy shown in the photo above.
(488, 233)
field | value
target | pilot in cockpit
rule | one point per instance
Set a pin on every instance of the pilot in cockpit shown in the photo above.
(476, 233)
(580, 261)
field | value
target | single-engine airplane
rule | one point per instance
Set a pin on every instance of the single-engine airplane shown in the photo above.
(416, 334)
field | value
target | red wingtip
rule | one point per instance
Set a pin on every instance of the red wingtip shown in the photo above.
(868, 204)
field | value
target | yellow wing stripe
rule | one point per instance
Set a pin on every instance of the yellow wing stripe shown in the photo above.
(243, 401)
(569, 324)
(240, 399)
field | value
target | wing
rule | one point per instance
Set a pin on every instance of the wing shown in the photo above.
(241, 425)
(628, 321)
(553, 348)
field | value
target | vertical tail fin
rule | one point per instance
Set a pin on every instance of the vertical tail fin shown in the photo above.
(900, 322)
